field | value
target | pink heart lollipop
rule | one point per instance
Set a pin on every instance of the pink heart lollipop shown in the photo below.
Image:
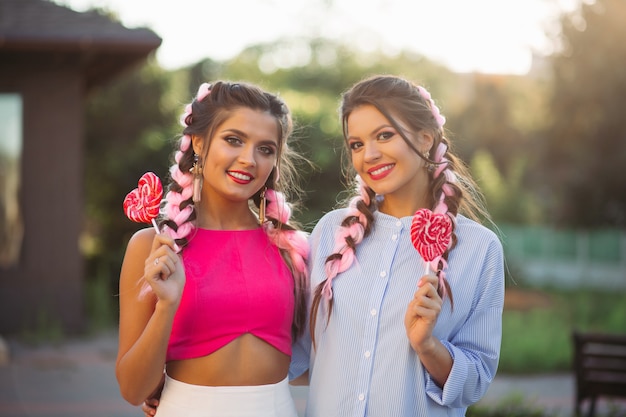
(142, 204)
(431, 234)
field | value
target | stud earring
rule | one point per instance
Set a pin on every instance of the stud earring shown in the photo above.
(196, 171)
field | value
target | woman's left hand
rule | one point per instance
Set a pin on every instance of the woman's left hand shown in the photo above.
(422, 313)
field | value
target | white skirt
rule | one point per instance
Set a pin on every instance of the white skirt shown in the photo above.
(180, 399)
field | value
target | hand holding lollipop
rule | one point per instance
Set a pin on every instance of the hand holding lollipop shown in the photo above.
(431, 235)
(142, 204)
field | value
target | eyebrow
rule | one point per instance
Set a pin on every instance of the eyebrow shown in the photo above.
(245, 135)
(375, 130)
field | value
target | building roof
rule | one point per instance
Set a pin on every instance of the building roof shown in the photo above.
(105, 46)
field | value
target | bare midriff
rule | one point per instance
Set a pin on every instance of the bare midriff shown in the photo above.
(246, 360)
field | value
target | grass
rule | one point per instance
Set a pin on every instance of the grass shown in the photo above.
(517, 406)
(538, 339)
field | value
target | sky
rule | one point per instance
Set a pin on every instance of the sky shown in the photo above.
(488, 36)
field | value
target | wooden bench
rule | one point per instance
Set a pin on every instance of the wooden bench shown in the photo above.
(599, 367)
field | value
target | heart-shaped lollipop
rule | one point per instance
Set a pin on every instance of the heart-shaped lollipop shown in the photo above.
(431, 234)
(142, 204)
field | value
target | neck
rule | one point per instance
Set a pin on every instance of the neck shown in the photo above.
(226, 217)
(401, 206)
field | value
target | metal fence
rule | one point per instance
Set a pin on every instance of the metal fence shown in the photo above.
(566, 258)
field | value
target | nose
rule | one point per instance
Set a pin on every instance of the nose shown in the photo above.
(372, 153)
(247, 156)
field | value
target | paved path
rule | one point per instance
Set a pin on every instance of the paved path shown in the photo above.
(77, 379)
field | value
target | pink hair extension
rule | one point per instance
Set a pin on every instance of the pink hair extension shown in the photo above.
(277, 207)
(362, 190)
(186, 113)
(442, 207)
(294, 242)
(185, 142)
(355, 231)
(442, 165)
(175, 199)
(203, 91)
(433, 108)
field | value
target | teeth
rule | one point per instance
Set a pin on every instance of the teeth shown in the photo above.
(240, 176)
(381, 170)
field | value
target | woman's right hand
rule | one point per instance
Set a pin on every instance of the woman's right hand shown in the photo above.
(164, 271)
(149, 407)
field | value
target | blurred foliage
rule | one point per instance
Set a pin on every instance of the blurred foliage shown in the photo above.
(542, 148)
(537, 338)
(128, 126)
(584, 150)
(513, 406)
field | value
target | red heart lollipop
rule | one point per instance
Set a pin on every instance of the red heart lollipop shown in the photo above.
(142, 204)
(430, 233)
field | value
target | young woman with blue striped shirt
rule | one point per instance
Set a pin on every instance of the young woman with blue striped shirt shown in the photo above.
(385, 340)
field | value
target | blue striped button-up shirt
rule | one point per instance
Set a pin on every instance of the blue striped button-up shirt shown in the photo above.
(363, 364)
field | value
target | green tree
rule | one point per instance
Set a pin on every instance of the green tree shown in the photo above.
(585, 145)
(311, 74)
(507, 199)
(129, 126)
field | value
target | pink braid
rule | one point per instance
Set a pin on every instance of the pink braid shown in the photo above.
(277, 207)
(355, 231)
(203, 91)
(293, 241)
(175, 199)
(433, 108)
(442, 207)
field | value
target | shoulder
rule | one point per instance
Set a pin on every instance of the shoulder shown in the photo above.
(330, 221)
(472, 233)
(142, 238)
(139, 246)
(333, 217)
(133, 265)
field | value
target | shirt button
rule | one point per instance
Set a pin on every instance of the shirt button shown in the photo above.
(361, 397)
(398, 223)
(383, 273)
(368, 354)
(373, 312)
(394, 237)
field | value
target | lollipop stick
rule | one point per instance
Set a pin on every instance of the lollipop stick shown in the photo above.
(154, 223)
(426, 269)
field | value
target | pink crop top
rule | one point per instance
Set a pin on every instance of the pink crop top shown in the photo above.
(237, 282)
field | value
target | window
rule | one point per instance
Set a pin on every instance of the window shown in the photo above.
(11, 223)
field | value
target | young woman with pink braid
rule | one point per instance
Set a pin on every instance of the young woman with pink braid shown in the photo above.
(210, 305)
(385, 340)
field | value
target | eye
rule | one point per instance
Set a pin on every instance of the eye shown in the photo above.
(355, 145)
(267, 150)
(385, 135)
(233, 140)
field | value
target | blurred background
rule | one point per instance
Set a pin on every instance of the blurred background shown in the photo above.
(538, 116)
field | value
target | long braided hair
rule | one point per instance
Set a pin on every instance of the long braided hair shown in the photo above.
(211, 106)
(409, 108)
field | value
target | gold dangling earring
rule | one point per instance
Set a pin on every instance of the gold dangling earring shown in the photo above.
(196, 171)
(262, 204)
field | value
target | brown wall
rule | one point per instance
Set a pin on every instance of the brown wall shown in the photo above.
(48, 282)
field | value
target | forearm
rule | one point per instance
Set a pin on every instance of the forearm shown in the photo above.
(140, 370)
(436, 359)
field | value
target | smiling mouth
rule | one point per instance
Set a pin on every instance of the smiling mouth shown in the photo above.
(240, 176)
(380, 170)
